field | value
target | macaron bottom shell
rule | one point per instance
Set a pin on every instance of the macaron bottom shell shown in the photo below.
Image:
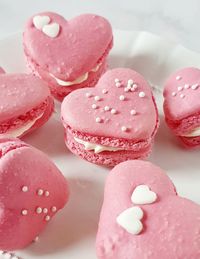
(108, 158)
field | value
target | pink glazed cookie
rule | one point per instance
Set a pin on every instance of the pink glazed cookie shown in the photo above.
(143, 217)
(182, 106)
(25, 104)
(67, 54)
(113, 122)
(32, 190)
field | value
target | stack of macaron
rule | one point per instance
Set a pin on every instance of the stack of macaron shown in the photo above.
(109, 117)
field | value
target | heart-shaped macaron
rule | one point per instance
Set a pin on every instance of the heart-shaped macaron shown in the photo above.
(170, 225)
(25, 104)
(182, 107)
(113, 122)
(32, 190)
(67, 54)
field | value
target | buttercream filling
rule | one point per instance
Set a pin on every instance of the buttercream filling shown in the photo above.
(96, 147)
(19, 131)
(79, 80)
(194, 133)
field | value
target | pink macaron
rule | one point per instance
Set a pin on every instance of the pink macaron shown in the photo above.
(25, 104)
(113, 122)
(67, 54)
(143, 217)
(32, 190)
(182, 106)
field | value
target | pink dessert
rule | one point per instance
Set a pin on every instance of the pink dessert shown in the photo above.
(143, 217)
(67, 54)
(113, 122)
(182, 106)
(32, 190)
(25, 104)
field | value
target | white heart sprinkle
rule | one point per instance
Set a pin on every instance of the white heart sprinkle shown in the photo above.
(40, 21)
(143, 195)
(130, 220)
(51, 30)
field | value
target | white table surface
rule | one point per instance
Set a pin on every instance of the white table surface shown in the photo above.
(175, 20)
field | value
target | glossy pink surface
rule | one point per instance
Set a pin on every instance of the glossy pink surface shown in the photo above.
(78, 110)
(22, 165)
(186, 101)
(77, 49)
(171, 225)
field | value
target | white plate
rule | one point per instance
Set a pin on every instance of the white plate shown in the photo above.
(71, 234)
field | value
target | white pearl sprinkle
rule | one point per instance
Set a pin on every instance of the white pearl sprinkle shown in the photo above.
(45, 210)
(54, 209)
(134, 86)
(25, 189)
(46, 193)
(126, 89)
(38, 210)
(180, 88)
(141, 94)
(106, 108)
(98, 120)
(94, 106)
(40, 192)
(97, 98)
(122, 97)
(186, 86)
(173, 94)
(47, 218)
(24, 212)
(130, 82)
(88, 95)
(178, 78)
(117, 80)
(182, 95)
(104, 91)
(113, 111)
(118, 84)
(123, 128)
(195, 86)
(133, 112)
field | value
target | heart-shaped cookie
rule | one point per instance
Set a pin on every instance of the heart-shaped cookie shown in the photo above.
(113, 122)
(182, 107)
(40, 21)
(25, 104)
(130, 220)
(143, 195)
(32, 190)
(67, 54)
(170, 225)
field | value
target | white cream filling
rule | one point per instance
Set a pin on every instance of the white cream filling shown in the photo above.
(97, 148)
(194, 133)
(79, 80)
(18, 132)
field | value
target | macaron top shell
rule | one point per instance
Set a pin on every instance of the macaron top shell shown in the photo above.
(76, 49)
(167, 224)
(110, 110)
(32, 190)
(20, 93)
(182, 94)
